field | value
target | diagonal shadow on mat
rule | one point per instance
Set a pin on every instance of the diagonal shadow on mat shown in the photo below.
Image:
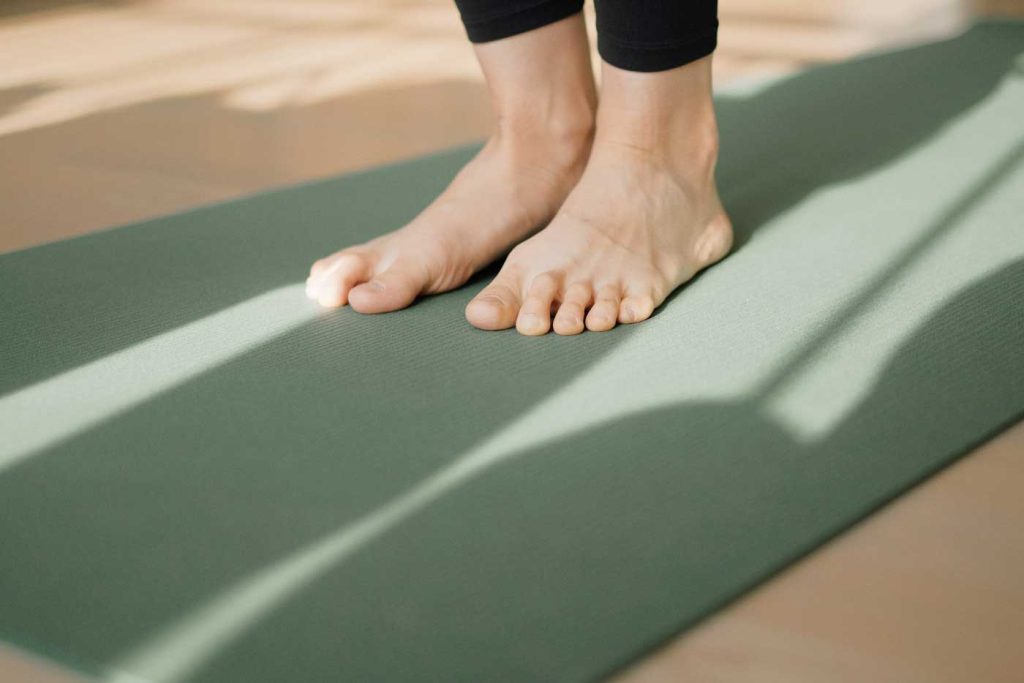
(183, 646)
(115, 532)
(580, 555)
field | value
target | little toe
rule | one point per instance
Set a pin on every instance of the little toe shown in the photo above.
(605, 311)
(331, 285)
(535, 316)
(320, 265)
(496, 307)
(571, 313)
(316, 273)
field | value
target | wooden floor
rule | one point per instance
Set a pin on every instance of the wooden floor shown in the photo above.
(116, 111)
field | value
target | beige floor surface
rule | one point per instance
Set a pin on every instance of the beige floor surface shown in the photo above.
(115, 111)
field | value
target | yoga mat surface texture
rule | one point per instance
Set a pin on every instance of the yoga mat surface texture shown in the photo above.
(203, 477)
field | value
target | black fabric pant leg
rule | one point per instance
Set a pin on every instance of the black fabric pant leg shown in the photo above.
(655, 35)
(487, 20)
(636, 35)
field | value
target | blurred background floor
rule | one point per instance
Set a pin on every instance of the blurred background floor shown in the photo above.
(119, 110)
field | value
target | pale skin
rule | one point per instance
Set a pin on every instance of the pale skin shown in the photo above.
(609, 207)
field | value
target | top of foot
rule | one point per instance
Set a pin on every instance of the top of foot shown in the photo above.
(629, 234)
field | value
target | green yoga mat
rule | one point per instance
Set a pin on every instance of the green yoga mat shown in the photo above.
(203, 477)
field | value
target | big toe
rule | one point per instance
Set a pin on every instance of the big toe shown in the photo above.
(395, 288)
(495, 308)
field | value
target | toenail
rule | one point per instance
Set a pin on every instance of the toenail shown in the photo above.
(569, 327)
(375, 285)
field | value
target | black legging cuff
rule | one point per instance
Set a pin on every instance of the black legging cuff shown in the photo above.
(634, 56)
(518, 16)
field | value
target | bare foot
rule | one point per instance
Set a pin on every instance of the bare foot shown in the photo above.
(543, 92)
(644, 218)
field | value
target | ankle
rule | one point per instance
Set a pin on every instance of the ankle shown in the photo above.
(542, 88)
(693, 142)
(559, 134)
(570, 126)
(666, 117)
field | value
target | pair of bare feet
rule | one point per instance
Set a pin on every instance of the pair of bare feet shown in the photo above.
(623, 194)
